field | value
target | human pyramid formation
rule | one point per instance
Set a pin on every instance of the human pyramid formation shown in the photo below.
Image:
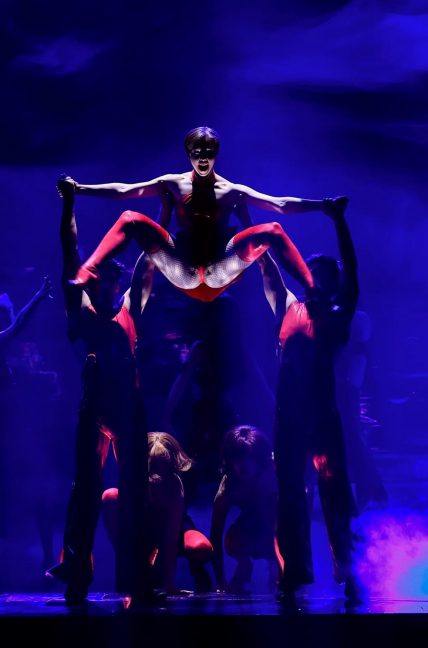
(145, 515)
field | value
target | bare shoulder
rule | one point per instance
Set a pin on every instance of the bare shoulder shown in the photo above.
(180, 180)
(223, 182)
(186, 176)
(173, 178)
(238, 191)
(226, 189)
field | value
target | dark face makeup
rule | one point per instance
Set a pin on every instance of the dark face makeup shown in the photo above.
(203, 153)
(202, 158)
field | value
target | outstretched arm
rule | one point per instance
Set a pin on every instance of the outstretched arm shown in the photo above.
(218, 523)
(349, 290)
(123, 190)
(71, 261)
(167, 493)
(278, 204)
(27, 310)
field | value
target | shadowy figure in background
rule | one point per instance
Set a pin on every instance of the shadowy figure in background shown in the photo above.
(36, 481)
(162, 348)
(200, 408)
(10, 327)
(248, 483)
(170, 531)
(308, 424)
(351, 370)
(110, 411)
(211, 392)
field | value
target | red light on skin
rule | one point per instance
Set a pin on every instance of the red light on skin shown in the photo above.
(321, 466)
(61, 558)
(278, 555)
(197, 546)
(153, 557)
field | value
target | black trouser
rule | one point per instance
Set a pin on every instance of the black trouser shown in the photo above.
(85, 501)
(311, 431)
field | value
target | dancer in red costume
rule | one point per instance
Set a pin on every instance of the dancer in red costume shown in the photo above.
(170, 530)
(206, 256)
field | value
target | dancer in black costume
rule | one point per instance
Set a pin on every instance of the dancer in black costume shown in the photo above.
(308, 424)
(110, 411)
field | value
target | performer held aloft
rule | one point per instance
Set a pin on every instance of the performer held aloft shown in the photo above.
(207, 255)
(110, 411)
(308, 424)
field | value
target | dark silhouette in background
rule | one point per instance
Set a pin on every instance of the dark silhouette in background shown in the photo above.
(10, 327)
(351, 369)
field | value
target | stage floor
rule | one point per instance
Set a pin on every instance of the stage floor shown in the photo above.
(395, 614)
(212, 620)
(53, 604)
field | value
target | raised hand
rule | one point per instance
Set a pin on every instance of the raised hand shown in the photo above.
(66, 187)
(46, 288)
(335, 207)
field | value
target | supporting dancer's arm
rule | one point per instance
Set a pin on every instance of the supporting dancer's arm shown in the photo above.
(74, 298)
(218, 522)
(281, 204)
(167, 495)
(27, 310)
(349, 290)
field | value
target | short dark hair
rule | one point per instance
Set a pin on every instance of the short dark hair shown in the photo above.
(328, 263)
(202, 135)
(245, 441)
